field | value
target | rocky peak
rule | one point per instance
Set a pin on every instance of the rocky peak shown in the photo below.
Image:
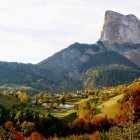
(120, 28)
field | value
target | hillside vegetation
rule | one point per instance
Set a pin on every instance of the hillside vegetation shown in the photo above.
(97, 113)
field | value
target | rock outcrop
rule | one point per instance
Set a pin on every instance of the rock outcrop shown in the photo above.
(120, 29)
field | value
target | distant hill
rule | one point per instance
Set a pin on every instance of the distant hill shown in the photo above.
(110, 75)
(18, 73)
(27, 75)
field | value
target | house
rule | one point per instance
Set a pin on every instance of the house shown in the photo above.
(66, 106)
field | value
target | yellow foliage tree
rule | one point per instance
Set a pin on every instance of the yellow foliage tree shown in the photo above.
(40, 101)
(24, 98)
(18, 115)
(19, 94)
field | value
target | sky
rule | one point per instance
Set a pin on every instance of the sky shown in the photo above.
(33, 30)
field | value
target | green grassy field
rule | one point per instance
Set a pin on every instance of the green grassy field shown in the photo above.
(68, 115)
(8, 100)
(74, 101)
(110, 107)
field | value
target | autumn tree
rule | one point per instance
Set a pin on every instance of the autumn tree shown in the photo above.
(23, 97)
(27, 127)
(87, 108)
(35, 136)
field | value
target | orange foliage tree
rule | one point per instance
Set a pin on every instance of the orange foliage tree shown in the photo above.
(35, 136)
(16, 135)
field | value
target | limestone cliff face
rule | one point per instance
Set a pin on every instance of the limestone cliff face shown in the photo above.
(120, 28)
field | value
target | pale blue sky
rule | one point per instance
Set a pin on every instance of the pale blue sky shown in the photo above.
(32, 30)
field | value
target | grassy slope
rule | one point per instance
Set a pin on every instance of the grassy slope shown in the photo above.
(68, 115)
(110, 107)
(74, 101)
(7, 100)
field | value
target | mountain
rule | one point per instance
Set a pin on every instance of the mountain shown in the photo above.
(68, 68)
(69, 59)
(130, 51)
(112, 60)
(118, 45)
(121, 33)
(120, 29)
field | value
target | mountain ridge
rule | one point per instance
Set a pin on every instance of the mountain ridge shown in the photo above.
(70, 68)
